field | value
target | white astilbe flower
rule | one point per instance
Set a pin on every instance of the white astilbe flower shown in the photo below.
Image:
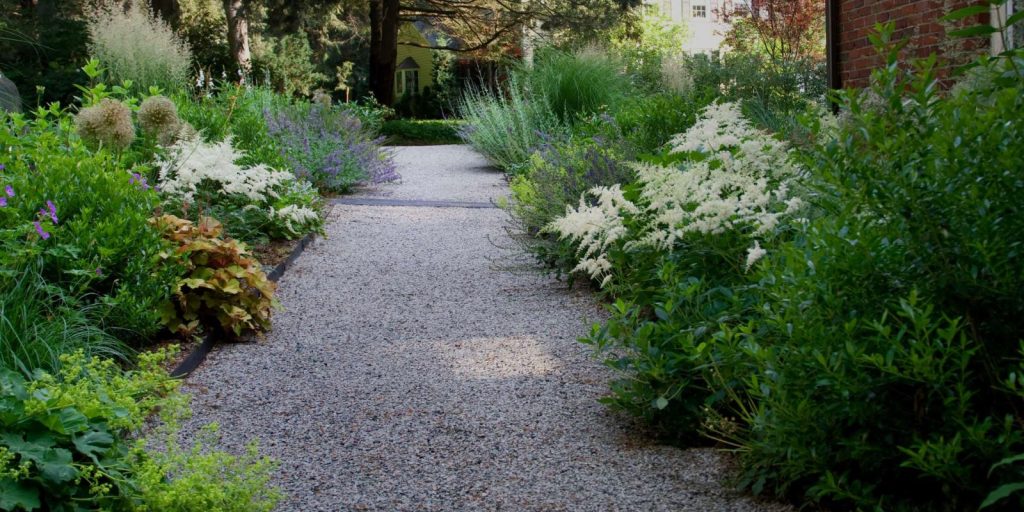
(190, 163)
(736, 178)
(742, 181)
(754, 254)
(295, 217)
(595, 228)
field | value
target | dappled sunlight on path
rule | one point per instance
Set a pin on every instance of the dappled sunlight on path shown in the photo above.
(411, 371)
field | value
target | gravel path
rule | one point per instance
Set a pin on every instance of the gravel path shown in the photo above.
(412, 370)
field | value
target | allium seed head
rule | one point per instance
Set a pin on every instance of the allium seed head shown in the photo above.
(109, 124)
(158, 116)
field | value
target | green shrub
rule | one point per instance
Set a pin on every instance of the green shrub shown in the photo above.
(371, 114)
(895, 317)
(867, 357)
(649, 121)
(85, 217)
(407, 132)
(71, 441)
(138, 47)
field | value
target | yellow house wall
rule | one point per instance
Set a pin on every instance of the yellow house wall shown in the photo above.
(422, 56)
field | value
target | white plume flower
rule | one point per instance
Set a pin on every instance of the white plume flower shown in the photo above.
(190, 163)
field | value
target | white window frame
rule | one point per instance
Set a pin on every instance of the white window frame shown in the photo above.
(1001, 13)
(400, 81)
(704, 9)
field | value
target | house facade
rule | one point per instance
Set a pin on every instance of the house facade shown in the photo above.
(705, 25)
(850, 22)
(414, 69)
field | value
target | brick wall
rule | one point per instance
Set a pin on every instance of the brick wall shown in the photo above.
(916, 20)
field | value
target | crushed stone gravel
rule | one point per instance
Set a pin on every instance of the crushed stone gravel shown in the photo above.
(417, 366)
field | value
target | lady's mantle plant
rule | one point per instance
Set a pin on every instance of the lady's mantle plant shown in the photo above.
(75, 441)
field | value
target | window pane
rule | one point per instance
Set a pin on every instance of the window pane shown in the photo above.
(1018, 29)
(700, 11)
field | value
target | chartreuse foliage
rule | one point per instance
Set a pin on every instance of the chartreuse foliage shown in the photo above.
(223, 286)
(69, 442)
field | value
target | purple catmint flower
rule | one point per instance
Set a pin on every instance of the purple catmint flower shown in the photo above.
(53, 211)
(42, 233)
(9, 189)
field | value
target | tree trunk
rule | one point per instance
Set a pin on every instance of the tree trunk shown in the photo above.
(384, 21)
(238, 34)
(374, 75)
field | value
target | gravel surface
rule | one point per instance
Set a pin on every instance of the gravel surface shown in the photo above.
(413, 369)
(442, 173)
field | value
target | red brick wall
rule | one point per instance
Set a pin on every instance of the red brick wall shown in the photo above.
(916, 20)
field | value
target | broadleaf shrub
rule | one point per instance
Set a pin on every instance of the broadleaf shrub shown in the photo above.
(864, 353)
(84, 217)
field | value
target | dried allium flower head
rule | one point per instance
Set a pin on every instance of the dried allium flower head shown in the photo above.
(186, 132)
(109, 124)
(320, 96)
(158, 116)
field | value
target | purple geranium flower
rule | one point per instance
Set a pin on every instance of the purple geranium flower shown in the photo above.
(10, 191)
(140, 179)
(3, 201)
(42, 233)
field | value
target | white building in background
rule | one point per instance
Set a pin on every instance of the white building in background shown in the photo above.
(705, 26)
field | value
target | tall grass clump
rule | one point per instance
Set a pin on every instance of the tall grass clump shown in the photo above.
(507, 127)
(577, 84)
(37, 326)
(133, 44)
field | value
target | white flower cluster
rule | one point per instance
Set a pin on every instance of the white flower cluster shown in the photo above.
(740, 178)
(192, 162)
(736, 177)
(595, 228)
(295, 217)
